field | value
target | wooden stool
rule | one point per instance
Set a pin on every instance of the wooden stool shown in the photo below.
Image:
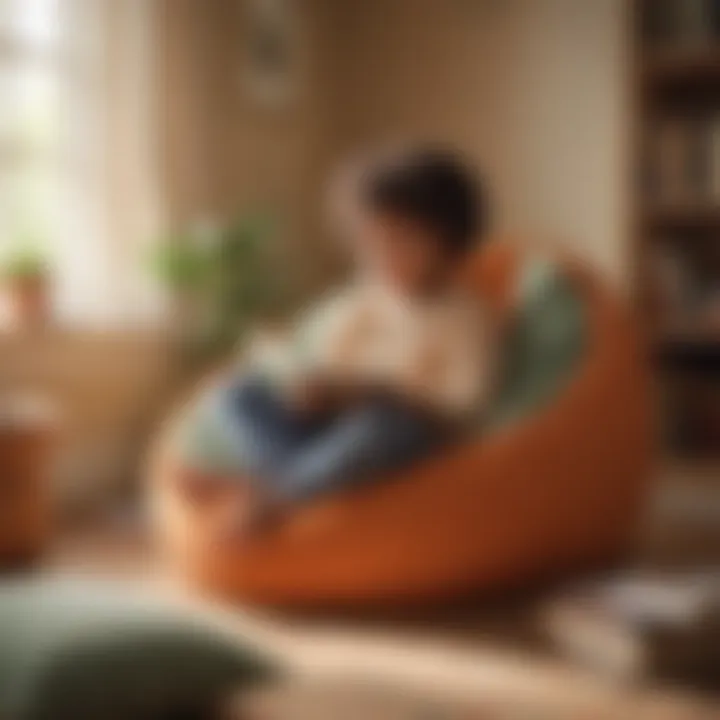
(27, 429)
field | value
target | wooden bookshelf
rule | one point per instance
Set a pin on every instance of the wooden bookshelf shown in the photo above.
(700, 345)
(677, 104)
(682, 216)
(669, 66)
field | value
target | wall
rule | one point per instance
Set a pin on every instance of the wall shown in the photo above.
(534, 90)
(223, 152)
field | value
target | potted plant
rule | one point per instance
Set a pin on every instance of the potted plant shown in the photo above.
(182, 262)
(222, 279)
(26, 276)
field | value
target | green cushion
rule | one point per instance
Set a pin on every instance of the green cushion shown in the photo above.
(81, 649)
(545, 345)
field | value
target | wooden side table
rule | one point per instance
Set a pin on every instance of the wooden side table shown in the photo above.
(27, 433)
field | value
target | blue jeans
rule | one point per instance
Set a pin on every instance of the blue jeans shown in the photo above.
(299, 457)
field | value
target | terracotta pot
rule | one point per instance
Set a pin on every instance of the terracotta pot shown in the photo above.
(29, 300)
(28, 433)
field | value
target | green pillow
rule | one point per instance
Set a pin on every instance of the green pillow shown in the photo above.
(72, 649)
(545, 346)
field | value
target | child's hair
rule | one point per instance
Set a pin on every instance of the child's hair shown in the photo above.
(433, 187)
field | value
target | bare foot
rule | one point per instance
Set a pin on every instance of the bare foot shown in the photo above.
(200, 487)
(247, 515)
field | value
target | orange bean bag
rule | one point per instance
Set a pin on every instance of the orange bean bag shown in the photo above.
(558, 489)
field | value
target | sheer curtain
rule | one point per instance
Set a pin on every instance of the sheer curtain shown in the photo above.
(78, 173)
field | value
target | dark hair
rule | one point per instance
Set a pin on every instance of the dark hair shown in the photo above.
(433, 187)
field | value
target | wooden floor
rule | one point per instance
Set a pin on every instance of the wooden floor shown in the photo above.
(480, 660)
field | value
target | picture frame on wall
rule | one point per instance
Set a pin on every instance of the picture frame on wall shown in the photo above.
(271, 52)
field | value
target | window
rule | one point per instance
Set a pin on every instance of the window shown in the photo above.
(77, 172)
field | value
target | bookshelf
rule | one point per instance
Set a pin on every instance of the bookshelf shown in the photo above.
(677, 187)
(696, 66)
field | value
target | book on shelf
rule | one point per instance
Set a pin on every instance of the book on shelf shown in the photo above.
(681, 165)
(657, 27)
(670, 154)
(713, 158)
(694, 22)
(671, 281)
(681, 24)
(686, 287)
(714, 11)
(694, 405)
(699, 167)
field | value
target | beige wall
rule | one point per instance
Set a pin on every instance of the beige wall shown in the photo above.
(221, 150)
(534, 90)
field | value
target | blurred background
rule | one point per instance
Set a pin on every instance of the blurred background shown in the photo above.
(132, 132)
(164, 163)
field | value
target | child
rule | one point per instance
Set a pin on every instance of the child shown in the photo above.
(395, 362)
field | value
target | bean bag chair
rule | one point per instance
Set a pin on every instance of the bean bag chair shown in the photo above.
(555, 479)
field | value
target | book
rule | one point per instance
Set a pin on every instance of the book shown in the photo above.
(682, 161)
(713, 158)
(657, 22)
(693, 20)
(643, 625)
(699, 170)
(714, 13)
(671, 282)
(680, 24)
(670, 156)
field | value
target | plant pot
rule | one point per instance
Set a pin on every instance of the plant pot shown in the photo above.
(28, 300)
(28, 435)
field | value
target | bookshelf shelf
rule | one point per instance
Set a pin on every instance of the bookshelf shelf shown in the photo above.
(682, 65)
(706, 342)
(687, 216)
(690, 360)
(677, 156)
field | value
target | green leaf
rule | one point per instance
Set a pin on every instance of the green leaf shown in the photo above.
(229, 269)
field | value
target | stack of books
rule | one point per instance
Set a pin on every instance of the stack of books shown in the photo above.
(643, 626)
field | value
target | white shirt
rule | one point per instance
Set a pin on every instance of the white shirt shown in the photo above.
(437, 350)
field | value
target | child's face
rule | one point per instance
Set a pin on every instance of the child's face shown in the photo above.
(402, 253)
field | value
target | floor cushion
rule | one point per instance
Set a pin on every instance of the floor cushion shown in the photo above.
(81, 649)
